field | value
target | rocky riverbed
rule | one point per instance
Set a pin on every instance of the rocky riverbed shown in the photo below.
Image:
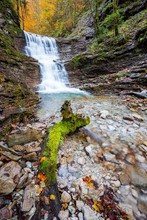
(101, 165)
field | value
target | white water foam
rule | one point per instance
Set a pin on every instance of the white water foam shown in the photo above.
(53, 73)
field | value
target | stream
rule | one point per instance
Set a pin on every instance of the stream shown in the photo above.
(86, 168)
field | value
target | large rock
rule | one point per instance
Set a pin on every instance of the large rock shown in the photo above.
(9, 177)
(29, 198)
(142, 203)
(24, 137)
(135, 175)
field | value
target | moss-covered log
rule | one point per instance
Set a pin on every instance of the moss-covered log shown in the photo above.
(69, 124)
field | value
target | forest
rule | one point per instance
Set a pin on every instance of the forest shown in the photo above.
(58, 18)
(73, 109)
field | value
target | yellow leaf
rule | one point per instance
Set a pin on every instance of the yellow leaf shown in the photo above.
(41, 176)
(96, 206)
(52, 197)
(42, 159)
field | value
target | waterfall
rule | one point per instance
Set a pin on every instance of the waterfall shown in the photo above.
(54, 78)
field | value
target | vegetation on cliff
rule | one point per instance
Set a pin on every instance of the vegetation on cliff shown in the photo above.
(17, 96)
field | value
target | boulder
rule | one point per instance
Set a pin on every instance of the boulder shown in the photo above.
(27, 135)
(9, 177)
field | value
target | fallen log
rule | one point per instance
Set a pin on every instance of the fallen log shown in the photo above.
(69, 124)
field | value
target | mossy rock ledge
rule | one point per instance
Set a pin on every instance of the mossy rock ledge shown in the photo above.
(69, 124)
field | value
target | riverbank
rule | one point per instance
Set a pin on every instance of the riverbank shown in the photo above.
(84, 167)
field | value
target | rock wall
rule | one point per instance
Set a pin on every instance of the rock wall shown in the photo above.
(19, 75)
(91, 66)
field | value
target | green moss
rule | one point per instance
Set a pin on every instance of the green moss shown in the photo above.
(119, 75)
(76, 60)
(55, 138)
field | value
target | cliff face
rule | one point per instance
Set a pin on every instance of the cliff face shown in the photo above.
(114, 63)
(19, 75)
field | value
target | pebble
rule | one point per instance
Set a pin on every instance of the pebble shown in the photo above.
(28, 164)
(81, 160)
(63, 215)
(109, 157)
(79, 204)
(65, 197)
(71, 209)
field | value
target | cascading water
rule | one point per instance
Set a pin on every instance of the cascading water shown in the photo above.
(53, 73)
(54, 87)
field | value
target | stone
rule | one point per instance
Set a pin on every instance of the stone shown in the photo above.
(9, 177)
(27, 135)
(80, 216)
(137, 117)
(23, 180)
(10, 155)
(63, 215)
(19, 148)
(134, 193)
(32, 147)
(65, 197)
(128, 209)
(89, 214)
(135, 175)
(81, 160)
(5, 213)
(109, 157)
(71, 209)
(116, 183)
(28, 164)
(29, 198)
(104, 114)
(142, 203)
(31, 156)
(79, 204)
(140, 158)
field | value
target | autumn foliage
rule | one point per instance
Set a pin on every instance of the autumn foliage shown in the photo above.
(49, 17)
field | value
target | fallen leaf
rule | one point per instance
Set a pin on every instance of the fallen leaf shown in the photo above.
(64, 206)
(52, 197)
(97, 206)
(41, 176)
(42, 159)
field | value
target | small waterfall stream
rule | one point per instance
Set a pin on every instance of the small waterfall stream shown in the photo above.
(54, 87)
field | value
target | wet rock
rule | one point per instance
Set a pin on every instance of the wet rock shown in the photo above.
(142, 203)
(135, 175)
(27, 135)
(29, 198)
(63, 215)
(9, 177)
(65, 197)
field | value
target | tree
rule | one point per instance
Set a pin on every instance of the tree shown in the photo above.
(116, 17)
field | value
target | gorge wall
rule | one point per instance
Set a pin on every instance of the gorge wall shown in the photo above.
(108, 63)
(19, 75)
